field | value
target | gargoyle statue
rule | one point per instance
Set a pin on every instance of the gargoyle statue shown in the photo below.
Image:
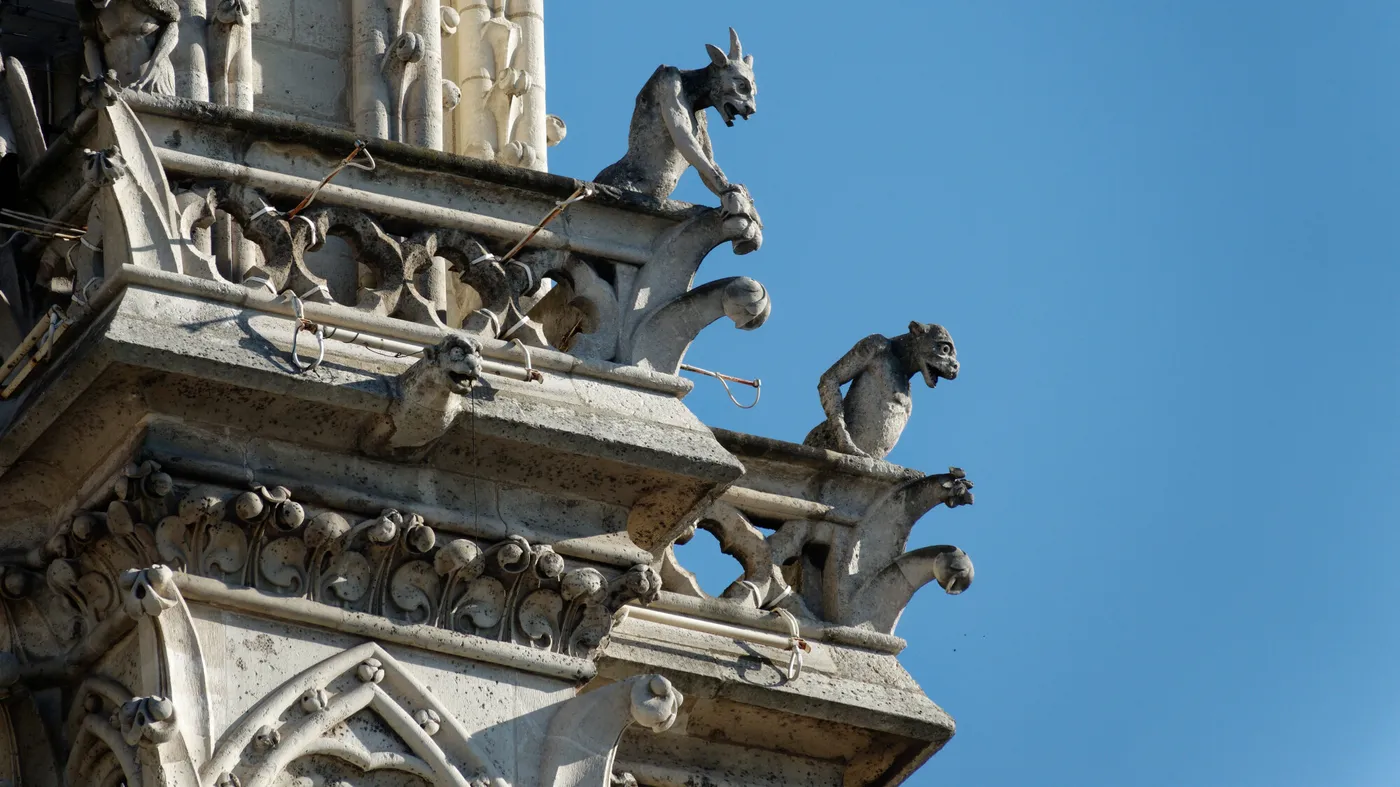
(428, 397)
(877, 406)
(133, 38)
(669, 130)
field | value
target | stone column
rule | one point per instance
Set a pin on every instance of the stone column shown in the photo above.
(190, 56)
(530, 126)
(423, 105)
(369, 42)
(473, 125)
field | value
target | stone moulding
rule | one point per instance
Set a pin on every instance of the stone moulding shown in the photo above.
(343, 316)
(391, 567)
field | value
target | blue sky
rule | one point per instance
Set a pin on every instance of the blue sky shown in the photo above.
(1162, 235)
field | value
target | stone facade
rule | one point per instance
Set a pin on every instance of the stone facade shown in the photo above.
(341, 444)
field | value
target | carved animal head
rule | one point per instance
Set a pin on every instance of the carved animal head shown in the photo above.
(732, 88)
(929, 350)
(459, 359)
(952, 568)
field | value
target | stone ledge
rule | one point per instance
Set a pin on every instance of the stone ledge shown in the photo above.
(310, 613)
(745, 445)
(335, 142)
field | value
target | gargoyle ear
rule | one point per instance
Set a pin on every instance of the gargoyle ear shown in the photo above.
(748, 60)
(717, 55)
(918, 328)
(736, 50)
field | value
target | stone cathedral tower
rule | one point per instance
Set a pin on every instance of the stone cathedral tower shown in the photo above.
(342, 445)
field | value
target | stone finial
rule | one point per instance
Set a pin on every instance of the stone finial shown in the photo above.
(149, 591)
(669, 130)
(871, 417)
(146, 718)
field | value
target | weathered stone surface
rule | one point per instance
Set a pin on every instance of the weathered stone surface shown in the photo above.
(375, 479)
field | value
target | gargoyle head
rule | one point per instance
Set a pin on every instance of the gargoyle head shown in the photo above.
(732, 88)
(929, 350)
(459, 360)
(952, 569)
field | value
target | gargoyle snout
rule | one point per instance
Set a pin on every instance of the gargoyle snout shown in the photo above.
(952, 370)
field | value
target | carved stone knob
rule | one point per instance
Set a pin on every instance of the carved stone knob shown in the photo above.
(746, 303)
(514, 81)
(227, 779)
(451, 93)
(325, 528)
(641, 583)
(655, 703)
(104, 167)
(370, 671)
(146, 718)
(102, 90)
(548, 564)
(149, 591)
(266, 738)
(429, 720)
(409, 47)
(386, 527)
(315, 700)
(451, 18)
(456, 556)
(15, 582)
(419, 537)
(583, 583)
(953, 571)
(554, 129)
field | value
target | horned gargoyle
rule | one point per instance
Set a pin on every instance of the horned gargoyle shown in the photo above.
(670, 132)
(133, 38)
(428, 397)
(873, 414)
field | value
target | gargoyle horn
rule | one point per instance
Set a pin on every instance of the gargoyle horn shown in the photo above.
(736, 50)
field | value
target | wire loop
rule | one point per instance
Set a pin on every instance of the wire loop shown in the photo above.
(304, 324)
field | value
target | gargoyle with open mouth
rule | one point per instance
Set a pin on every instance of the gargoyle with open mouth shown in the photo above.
(428, 398)
(669, 131)
(876, 408)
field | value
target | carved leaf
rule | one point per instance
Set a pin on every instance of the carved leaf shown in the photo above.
(227, 550)
(483, 604)
(591, 632)
(413, 588)
(348, 576)
(98, 591)
(539, 617)
(170, 541)
(63, 576)
(281, 563)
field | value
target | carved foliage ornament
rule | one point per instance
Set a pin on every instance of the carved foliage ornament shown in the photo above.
(393, 564)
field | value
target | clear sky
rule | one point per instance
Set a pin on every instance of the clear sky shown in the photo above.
(1162, 234)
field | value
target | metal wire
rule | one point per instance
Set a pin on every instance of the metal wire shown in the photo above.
(725, 379)
(304, 324)
(348, 161)
(581, 193)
